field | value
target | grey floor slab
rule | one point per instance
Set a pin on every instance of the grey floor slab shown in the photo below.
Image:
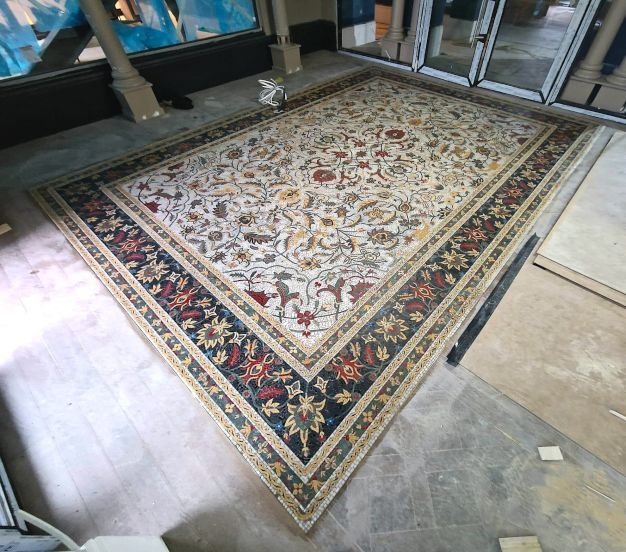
(100, 436)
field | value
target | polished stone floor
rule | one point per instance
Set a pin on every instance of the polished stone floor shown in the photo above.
(101, 437)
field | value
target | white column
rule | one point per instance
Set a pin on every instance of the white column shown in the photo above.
(132, 90)
(618, 76)
(407, 46)
(285, 54)
(396, 28)
(591, 67)
(411, 36)
(280, 21)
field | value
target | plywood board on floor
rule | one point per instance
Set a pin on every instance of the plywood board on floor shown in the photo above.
(588, 243)
(520, 544)
(559, 351)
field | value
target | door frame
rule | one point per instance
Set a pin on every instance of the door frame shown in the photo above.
(489, 25)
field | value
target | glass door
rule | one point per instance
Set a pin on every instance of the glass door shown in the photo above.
(520, 47)
(453, 36)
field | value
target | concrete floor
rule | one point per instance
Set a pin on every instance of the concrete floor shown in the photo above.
(101, 437)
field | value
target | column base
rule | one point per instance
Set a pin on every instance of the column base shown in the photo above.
(611, 98)
(577, 91)
(286, 57)
(138, 103)
(406, 51)
(390, 48)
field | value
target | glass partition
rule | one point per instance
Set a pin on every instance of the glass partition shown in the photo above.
(384, 29)
(529, 38)
(37, 36)
(452, 36)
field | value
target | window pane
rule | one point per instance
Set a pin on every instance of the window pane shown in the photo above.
(529, 38)
(37, 36)
(452, 34)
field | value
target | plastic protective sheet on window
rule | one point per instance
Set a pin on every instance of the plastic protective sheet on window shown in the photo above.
(45, 35)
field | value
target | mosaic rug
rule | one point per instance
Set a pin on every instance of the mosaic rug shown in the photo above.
(301, 271)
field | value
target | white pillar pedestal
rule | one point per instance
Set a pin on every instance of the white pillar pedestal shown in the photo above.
(286, 57)
(618, 76)
(577, 90)
(611, 98)
(396, 29)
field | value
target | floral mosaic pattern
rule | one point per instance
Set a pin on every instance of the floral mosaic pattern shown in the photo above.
(305, 433)
(306, 214)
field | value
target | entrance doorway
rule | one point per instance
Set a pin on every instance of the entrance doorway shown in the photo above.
(520, 47)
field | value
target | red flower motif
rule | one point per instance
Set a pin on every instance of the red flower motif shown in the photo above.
(270, 392)
(414, 306)
(234, 356)
(358, 290)
(191, 313)
(93, 205)
(131, 245)
(259, 296)
(183, 298)
(382, 153)
(152, 205)
(364, 165)
(341, 154)
(305, 318)
(323, 175)
(395, 133)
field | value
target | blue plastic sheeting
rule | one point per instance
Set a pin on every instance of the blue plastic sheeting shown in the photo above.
(17, 41)
(216, 16)
(355, 12)
(19, 47)
(156, 29)
(138, 38)
(52, 17)
(157, 26)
